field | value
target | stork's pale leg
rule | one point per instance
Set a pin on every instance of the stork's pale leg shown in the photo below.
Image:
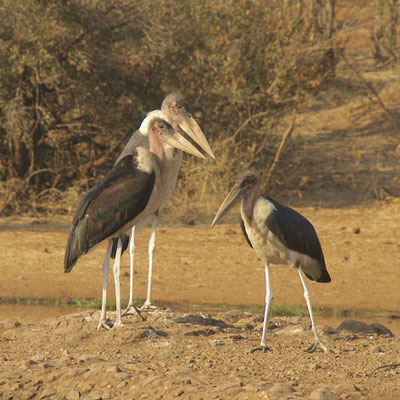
(268, 300)
(130, 308)
(317, 342)
(152, 250)
(132, 251)
(117, 273)
(106, 269)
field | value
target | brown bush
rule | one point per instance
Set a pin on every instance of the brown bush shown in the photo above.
(79, 75)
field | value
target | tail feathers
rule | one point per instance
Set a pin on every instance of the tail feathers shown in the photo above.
(77, 245)
(319, 273)
(125, 242)
(324, 278)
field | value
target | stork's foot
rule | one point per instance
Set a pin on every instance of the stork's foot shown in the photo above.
(131, 309)
(262, 347)
(315, 346)
(148, 305)
(106, 323)
(117, 324)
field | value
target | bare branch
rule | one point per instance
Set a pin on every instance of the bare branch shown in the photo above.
(391, 366)
(238, 130)
(280, 148)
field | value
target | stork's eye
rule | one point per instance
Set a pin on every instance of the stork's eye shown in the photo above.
(248, 182)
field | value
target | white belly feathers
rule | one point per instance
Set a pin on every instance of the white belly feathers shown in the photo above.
(268, 246)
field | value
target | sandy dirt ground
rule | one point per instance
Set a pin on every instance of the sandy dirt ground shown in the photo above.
(197, 354)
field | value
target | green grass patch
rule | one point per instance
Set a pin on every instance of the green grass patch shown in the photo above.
(277, 310)
(80, 303)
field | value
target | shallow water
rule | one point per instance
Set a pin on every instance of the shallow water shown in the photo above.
(32, 314)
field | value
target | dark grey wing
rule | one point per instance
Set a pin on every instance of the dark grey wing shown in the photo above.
(244, 232)
(112, 203)
(298, 234)
(124, 245)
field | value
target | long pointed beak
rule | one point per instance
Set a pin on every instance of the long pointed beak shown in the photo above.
(230, 200)
(189, 125)
(177, 140)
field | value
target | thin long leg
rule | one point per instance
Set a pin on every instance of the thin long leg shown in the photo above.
(132, 251)
(117, 273)
(317, 342)
(130, 308)
(268, 300)
(152, 250)
(106, 269)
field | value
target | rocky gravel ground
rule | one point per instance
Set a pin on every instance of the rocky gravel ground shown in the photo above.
(194, 356)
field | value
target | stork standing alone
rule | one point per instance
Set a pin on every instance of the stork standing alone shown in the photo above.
(279, 235)
(176, 112)
(128, 193)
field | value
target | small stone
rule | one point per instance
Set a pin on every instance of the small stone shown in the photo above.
(47, 393)
(85, 386)
(217, 342)
(87, 358)
(122, 376)
(150, 380)
(235, 391)
(95, 395)
(72, 373)
(323, 393)
(39, 357)
(346, 387)
(113, 368)
(54, 376)
(378, 350)
(281, 388)
(379, 329)
(363, 328)
(73, 395)
(201, 332)
(121, 385)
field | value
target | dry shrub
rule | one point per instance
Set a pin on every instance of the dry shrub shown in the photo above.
(75, 85)
(386, 33)
(14, 197)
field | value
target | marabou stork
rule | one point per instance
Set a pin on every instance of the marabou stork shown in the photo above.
(279, 235)
(176, 112)
(128, 193)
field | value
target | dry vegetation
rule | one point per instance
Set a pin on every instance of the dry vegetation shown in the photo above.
(75, 86)
(243, 67)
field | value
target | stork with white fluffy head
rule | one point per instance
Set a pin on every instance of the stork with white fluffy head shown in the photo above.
(176, 112)
(279, 235)
(128, 193)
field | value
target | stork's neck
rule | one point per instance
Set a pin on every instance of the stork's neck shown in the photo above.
(247, 207)
(157, 148)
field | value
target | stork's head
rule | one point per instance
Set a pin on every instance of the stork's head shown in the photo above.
(162, 134)
(177, 114)
(244, 186)
(246, 182)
